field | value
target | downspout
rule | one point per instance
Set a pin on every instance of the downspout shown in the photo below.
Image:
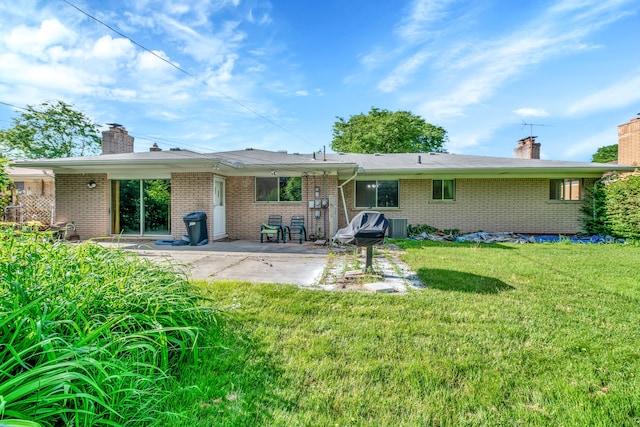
(344, 202)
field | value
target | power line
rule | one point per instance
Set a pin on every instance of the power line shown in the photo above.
(12, 106)
(162, 141)
(182, 70)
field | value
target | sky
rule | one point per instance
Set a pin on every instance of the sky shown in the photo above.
(218, 75)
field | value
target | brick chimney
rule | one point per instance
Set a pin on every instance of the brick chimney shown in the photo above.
(629, 143)
(116, 140)
(155, 147)
(527, 148)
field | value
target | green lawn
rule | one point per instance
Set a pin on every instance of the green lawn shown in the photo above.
(545, 334)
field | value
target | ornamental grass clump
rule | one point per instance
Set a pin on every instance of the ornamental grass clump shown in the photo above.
(89, 336)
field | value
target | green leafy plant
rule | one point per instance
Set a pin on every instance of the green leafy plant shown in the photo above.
(416, 230)
(89, 336)
(622, 202)
(594, 219)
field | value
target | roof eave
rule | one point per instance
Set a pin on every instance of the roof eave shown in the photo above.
(546, 172)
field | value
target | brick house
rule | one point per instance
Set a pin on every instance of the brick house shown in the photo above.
(629, 142)
(147, 194)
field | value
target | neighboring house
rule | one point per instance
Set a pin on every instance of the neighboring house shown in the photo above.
(148, 193)
(629, 142)
(32, 195)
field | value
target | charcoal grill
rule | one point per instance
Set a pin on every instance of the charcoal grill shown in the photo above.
(365, 229)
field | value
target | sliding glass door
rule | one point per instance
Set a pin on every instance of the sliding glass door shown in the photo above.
(141, 207)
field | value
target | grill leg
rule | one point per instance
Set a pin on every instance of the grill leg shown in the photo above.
(368, 267)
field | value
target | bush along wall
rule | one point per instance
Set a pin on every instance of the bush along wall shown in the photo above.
(612, 207)
(622, 205)
(594, 210)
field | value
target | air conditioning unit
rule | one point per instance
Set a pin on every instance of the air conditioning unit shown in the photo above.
(397, 228)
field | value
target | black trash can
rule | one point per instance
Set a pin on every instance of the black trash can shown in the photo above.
(196, 223)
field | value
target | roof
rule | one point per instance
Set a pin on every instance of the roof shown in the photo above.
(439, 164)
(255, 162)
(21, 174)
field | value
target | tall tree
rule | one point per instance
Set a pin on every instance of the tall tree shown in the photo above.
(384, 131)
(606, 154)
(51, 130)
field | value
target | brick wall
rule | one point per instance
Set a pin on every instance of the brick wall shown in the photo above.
(527, 148)
(116, 140)
(629, 143)
(87, 208)
(494, 205)
(191, 192)
(244, 215)
(518, 205)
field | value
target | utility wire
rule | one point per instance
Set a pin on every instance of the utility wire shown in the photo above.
(182, 70)
(12, 106)
(158, 140)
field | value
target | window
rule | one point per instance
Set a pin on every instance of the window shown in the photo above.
(279, 189)
(565, 189)
(376, 194)
(444, 189)
(19, 186)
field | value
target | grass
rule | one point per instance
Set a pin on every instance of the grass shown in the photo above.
(542, 335)
(90, 336)
(502, 335)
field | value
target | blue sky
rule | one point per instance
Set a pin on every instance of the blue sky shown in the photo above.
(275, 74)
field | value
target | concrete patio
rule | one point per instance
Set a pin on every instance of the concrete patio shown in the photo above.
(306, 265)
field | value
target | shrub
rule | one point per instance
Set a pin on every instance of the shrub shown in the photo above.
(622, 201)
(594, 211)
(416, 230)
(89, 335)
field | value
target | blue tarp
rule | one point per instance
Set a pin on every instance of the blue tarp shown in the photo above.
(550, 238)
(484, 237)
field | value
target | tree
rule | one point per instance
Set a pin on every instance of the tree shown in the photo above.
(51, 130)
(606, 154)
(384, 131)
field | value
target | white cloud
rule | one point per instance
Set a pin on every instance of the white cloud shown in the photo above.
(458, 142)
(471, 73)
(259, 17)
(35, 41)
(153, 61)
(402, 73)
(301, 93)
(620, 94)
(108, 48)
(375, 58)
(422, 14)
(204, 47)
(531, 112)
(223, 73)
